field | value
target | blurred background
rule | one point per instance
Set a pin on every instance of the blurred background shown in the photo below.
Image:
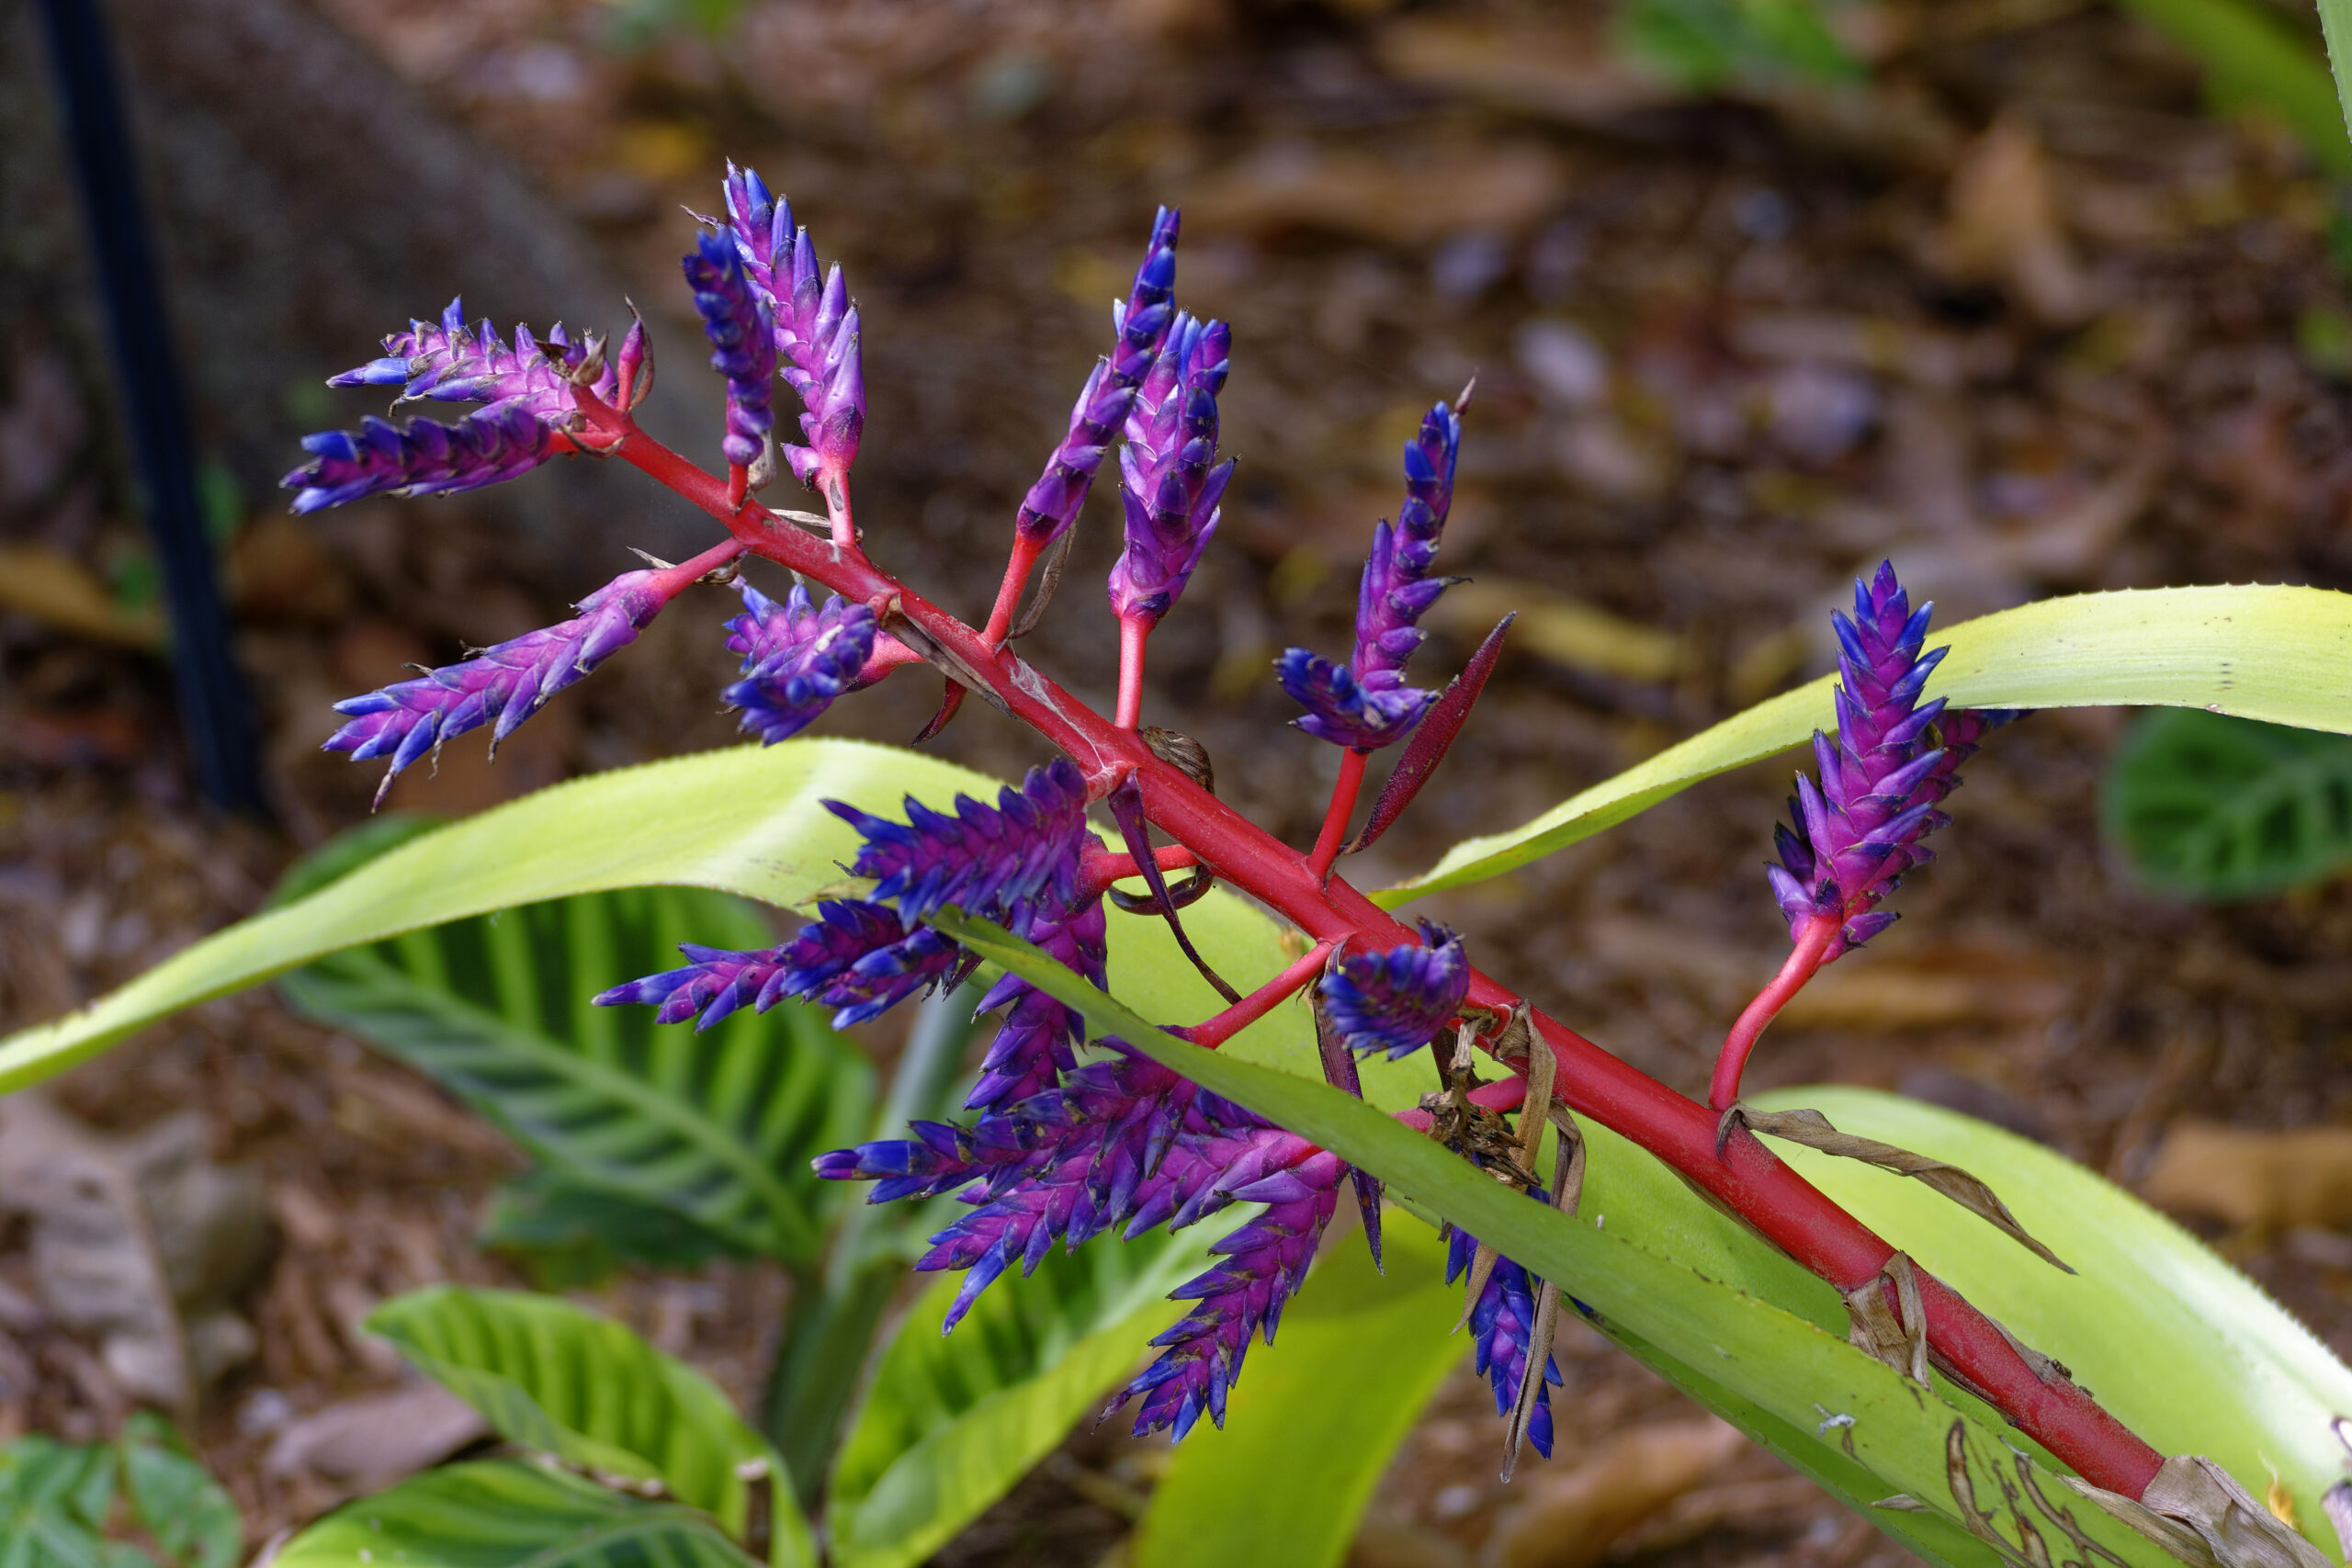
(2033, 295)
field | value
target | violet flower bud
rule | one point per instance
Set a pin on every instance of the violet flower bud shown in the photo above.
(984, 860)
(742, 343)
(1502, 1326)
(501, 686)
(1141, 324)
(450, 362)
(1167, 485)
(1894, 759)
(1397, 1002)
(815, 326)
(488, 446)
(796, 659)
(1367, 705)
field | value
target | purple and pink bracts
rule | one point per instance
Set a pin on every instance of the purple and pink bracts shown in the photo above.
(796, 659)
(1140, 325)
(502, 685)
(815, 325)
(742, 342)
(1168, 485)
(1364, 703)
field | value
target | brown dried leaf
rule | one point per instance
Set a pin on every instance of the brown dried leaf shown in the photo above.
(2194, 1510)
(1569, 1520)
(1812, 1129)
(375, 1441)
(1413, 197)
(2004, 226)
(2260, 1179)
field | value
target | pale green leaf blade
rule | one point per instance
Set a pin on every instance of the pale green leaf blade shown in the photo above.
(2282, 655)
(1313, 1426)
(2189, 1352)
(586, 1389)
(951, 1422)
(747, 820)
(1769, 1358)
(718, 1126)
(500, 1513)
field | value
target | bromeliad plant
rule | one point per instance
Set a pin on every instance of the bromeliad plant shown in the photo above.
(1113, 1097)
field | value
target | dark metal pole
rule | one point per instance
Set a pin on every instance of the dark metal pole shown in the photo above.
(213, 706)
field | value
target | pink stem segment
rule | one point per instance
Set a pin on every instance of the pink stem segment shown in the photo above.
(1133, 636)
(1104, 867)
(1017, 567)
(1335, 818)
(1806, 960)
(1216, 1030)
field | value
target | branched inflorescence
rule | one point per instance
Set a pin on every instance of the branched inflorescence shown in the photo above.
(1062, 1146)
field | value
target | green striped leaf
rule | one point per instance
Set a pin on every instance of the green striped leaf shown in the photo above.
(502, 1514)
(558, 1377)
(717, 1127)
(2219, 808)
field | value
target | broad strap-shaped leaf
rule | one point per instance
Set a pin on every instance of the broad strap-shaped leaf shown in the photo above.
(501, 1512)
(746, 821)
(587, 1390)
(566, 1234)
(1752, 1357)
(1312, 1428)
(2220, 808)
(951, 1422)
(718, 1126)
(2280, 655)
(2186, 1350)
(2254, 58)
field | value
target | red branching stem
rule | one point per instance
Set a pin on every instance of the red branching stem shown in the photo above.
(1104, 867)
(1214, 1032)
(671, 580)
(833, 486)
(739, 483)
(1806, 960)
(1133, 637)
(1344, 791)
(889, 654)
(1017, 567)
(1786, 1209)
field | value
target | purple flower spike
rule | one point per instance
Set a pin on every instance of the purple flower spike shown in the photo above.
(1167, 484)
(984, 860)
(1264, 1264)
(796, 659)
(1396, 1001)
(742, 343)
(423, 458)
(1895, 759)
(450, 362)
(502, 685)
(1037, 1042)
(1367, 705)
(857, 957)
(1141, 322)
(815, 327)
(1502, 1324)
